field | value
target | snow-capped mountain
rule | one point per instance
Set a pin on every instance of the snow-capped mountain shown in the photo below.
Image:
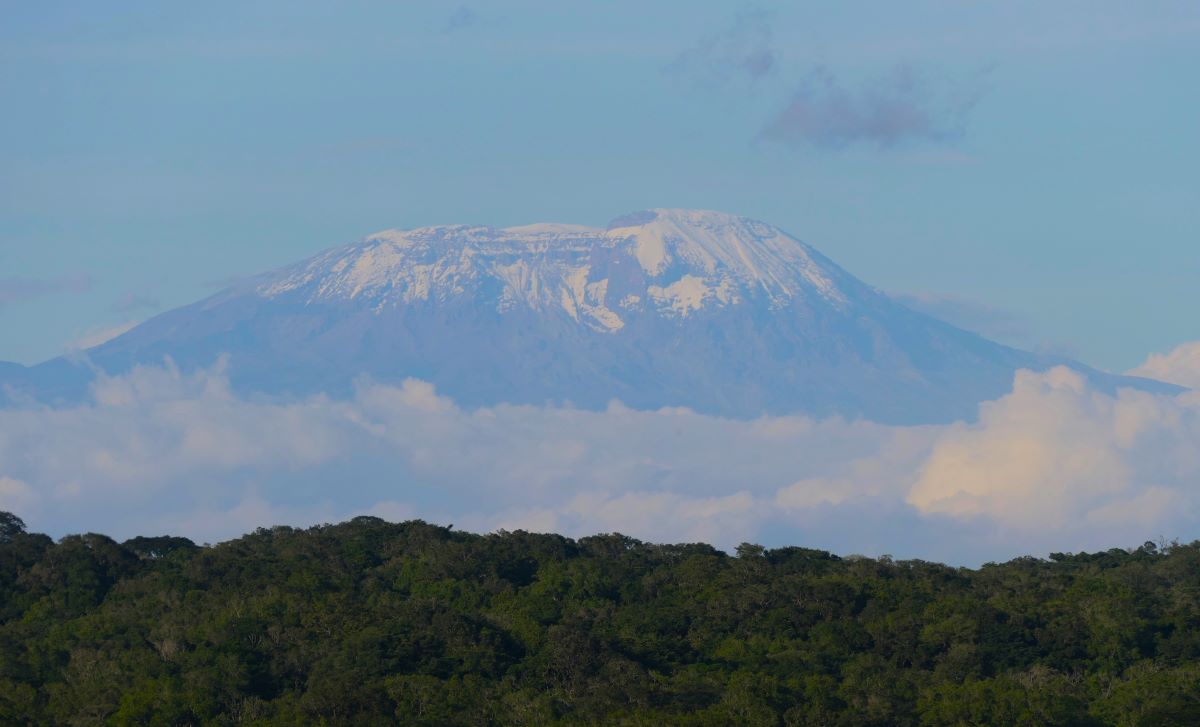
(711, 311)
(667, 263)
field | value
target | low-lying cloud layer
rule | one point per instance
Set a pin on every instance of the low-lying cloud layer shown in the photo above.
(1054, 465)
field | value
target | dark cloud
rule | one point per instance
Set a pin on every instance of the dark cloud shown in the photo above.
(131, 302)
(18, 289)
(741, 52)
(900, 107)
(462, 17)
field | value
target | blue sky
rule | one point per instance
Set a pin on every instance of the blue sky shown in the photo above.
(1030, 168)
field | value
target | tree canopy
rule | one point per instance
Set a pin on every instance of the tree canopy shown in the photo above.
(10, 526)
(369, 622)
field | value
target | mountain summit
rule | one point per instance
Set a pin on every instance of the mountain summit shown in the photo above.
(670, 264)
(722, 314)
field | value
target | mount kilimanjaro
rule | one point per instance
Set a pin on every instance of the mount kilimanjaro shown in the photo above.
(718, 313)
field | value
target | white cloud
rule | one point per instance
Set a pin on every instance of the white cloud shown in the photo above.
(1054, 465)
(16, 495)
(96, 336)
(252, 511)
(1056, 459)
(1180, 366)
(664, 516)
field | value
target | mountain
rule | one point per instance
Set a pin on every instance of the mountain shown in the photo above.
(719, 313)
(12, 374)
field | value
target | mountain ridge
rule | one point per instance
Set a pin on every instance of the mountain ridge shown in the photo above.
(719, 313)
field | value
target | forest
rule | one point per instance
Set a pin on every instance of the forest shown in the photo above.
(370, 622)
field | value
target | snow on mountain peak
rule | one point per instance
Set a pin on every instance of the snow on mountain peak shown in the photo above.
(549, 228)
(665, 261)
(752, 251)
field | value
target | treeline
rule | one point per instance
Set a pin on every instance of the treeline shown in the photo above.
(369, 622)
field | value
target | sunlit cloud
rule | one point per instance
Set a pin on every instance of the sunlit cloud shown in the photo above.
(1178, 366)
(1055, 455)
(1053, 465)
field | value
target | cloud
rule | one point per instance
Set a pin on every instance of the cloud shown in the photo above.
(15, 495)
(159, 449)
(131, 302)
(462, 17)
(968, 314)
(741, 52)
(670, 516)
(1013, 329)
(95, 336)
(253, 511)
(1055, 455)
(900, 107)
(1054, 465)
(19, 290)
(1179, 366)
(1058, 465)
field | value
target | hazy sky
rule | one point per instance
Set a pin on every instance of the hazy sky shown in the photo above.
(1026, 168)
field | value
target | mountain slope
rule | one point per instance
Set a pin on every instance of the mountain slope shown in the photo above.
(711, 311)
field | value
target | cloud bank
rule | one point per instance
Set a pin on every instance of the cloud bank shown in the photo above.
(1054, 465)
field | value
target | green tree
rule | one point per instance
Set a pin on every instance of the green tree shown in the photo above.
(10, 526)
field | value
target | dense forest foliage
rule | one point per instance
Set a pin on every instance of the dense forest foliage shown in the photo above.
(369, 622)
